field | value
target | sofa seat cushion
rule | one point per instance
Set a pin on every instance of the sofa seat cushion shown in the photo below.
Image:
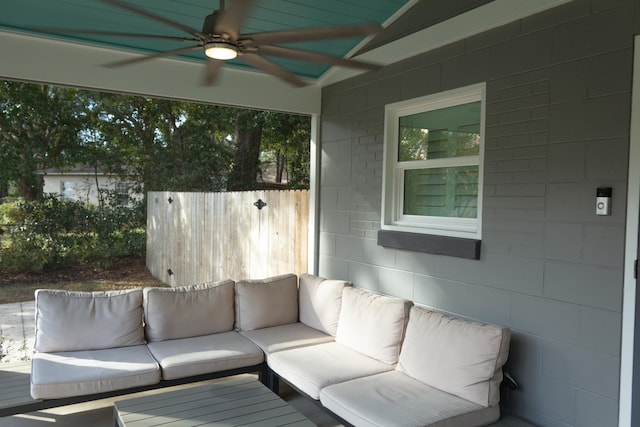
(395, 399)
(286, 337)
(312, 368)
(75, 321)
(205, 354)
(372, 324)
(188, 311)
(458, 356)
(78, 373)
(319, 302)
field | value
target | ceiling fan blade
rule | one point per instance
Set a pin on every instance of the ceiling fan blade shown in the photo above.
(121, 5)
(153, 56)
(113, 34)
(211, 71)
(229, 21)
(311, 34)
(272, 68)
(320, 58)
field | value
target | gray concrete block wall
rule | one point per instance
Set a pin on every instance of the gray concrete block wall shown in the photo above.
(557, 127)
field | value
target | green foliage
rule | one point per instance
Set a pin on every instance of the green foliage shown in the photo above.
(286, 137)
(162, 145)
(10, 213)
(39, 129)
(157, 144)
(53, 233)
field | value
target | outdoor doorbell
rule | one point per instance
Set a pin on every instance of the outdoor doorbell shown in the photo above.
(603, 201)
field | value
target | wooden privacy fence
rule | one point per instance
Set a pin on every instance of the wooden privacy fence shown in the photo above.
(199, 237)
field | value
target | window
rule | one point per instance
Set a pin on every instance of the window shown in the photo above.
(433, 153)
(122, 193)
(66, 190)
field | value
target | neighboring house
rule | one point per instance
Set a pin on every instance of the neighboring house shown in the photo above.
(559, 118)
(83, 183)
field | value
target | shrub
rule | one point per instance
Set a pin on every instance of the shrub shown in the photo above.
(54, 233)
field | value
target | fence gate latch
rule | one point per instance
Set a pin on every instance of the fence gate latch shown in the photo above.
(259, 204)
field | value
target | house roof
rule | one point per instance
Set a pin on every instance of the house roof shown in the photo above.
(77, 170)
(31, 52)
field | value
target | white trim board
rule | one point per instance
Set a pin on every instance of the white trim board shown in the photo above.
(631, 251)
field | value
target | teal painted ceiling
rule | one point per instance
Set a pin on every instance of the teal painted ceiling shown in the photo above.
(32, 16)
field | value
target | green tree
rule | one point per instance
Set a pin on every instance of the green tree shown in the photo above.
(248, 134)
(39, 128)
(287, 137)
(165, 145)
(156, 144)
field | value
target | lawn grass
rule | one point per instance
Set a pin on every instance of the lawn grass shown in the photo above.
(25, 292)
(128, 273)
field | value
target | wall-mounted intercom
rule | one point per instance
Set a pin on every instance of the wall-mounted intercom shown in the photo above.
(603, 201)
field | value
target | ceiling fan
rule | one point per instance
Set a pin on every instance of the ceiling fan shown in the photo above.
(221, 40)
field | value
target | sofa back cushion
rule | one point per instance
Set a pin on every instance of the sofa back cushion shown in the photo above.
(268, 302)
(319, 301)
(188, 311)
(74, 321)
(372, 324)
(455, 355)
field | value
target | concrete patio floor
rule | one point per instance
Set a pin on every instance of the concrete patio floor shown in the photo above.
(16, 344)
(17, 326)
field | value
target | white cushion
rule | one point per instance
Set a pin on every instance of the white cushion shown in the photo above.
(265, 303)
(395, 399)
(74, 321)
(202, 355)
(78, 373)
(312, 368)
(372, 324)
(188, 311)
(320, 301)
(285, 337)
(455, 355)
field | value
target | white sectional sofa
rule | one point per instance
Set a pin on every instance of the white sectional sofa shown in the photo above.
(372, 360)
(90, 343)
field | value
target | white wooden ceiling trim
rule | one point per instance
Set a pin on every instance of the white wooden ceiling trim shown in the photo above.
(45, 60)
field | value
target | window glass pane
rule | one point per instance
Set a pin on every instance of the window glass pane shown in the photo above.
(122, 193)
(66, 189)
(436, 134)
(445, 192)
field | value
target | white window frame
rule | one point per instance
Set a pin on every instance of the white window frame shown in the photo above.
(393, 173)
(119, 187)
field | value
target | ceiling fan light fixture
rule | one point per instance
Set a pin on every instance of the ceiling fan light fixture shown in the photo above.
(222, 51)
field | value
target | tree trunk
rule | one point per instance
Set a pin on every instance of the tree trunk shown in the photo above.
(4, 189)
(279, 167)
(246, 160)
(31, 190)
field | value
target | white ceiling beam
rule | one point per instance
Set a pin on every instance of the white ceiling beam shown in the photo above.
(45, 60)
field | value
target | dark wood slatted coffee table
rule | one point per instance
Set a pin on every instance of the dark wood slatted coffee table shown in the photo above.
(230, 402)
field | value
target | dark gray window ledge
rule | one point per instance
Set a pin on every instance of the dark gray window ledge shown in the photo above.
(429, 243)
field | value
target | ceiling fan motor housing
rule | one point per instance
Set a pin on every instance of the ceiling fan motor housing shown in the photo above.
(208, 27)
